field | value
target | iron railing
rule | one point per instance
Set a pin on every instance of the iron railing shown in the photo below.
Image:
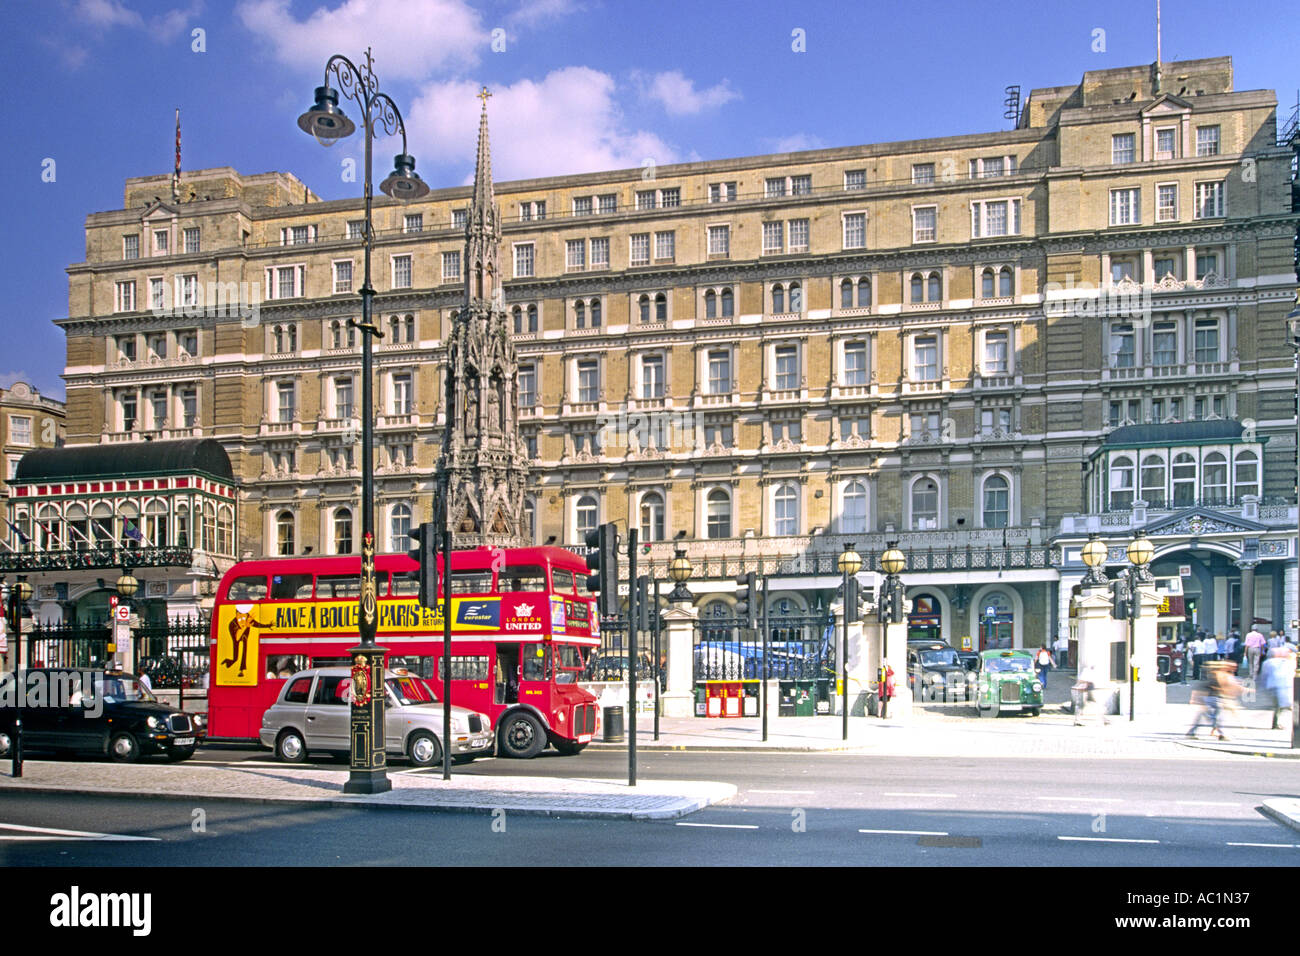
(74, 559)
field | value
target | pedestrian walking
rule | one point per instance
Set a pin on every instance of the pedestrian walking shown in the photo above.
(1228, 649)
(886, 689)
(1278, 677)
(1205, 698)
(142, 676)
(1196, 648)
(1255, 646)
(1043, 661)
(1062, 647)
(1210, 647)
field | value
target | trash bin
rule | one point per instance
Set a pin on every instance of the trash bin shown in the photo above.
(804, 704)
(701, 707)
(613, 724)
(785, 705)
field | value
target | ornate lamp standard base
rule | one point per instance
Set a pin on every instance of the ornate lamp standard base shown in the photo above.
(368, 772)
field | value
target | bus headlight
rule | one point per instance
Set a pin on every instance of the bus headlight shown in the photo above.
(152, 722)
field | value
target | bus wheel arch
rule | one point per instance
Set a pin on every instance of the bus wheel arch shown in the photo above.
(521, 733)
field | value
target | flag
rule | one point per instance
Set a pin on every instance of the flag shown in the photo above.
(176, 176)
(22, 538)
(131, 531)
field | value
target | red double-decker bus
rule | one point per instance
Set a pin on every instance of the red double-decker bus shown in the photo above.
(520, 636)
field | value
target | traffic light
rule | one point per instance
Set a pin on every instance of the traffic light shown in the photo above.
(643, 602)
(425, 553)
(1119, 599)
(747, 603)
(896, 611)
(852, 607)
(603, 541)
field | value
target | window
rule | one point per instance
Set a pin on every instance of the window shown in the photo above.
(1121, 482)
(1125, 207)
(787, 367)
(529, 211)
(639, 249)
(925, 287)
(527, 386)
(157, 294)
(798, 235)
(157, 345)
(652, 517)
(1184, 480)
(773, 237)
(661, 307)
(20, 429)
(130, 247)
(356, 229)
(923, 223)
(285, 407)
(788, 430)
(403, 396)
(451, 265)
(1209, 201)
(1153, 481)
(187, 289)
(523, 260)
(582, 206)
(1207, 263)
(343, 531)
(669, 198)
(401, 272)
(1207, 340)
(126, 401)
(858, 424)
(587, 513)
(1166, 143)
(284, 338)
(801, 185)
(600, 253)
(126, 348)
(989, 167)
(459, 218)
(997, 502)
(1162, 266)
(189, 407)
(925, 505)
(722, 192)
(853, 519)
(774, 187)
(525, 319)
(284, 533)
(342, 335)
(996, 352)
(607, 203)
(160, 241)
(124, 297)
(575, 254)
(719, 240)
(1122, 148)
(855, 230)
(1164, 344)
(399, 528)
(719, 363)
(922, 174)
(665, 246)
(996, 283)
(589, 380)
(343, 276)
(995, 422)
(297, 235)
(645, 199)
(855, 179)
(343, 397)
(1167, 202)
(925, 358)
(413, 222)
(718, 512)
(717, 434)
(997, 217)
(1123, 345)
(1207, 141)
(1246, 474)
(1214, 477)
(282, 282)
(855, 363)
(786, 510)
(652, 376)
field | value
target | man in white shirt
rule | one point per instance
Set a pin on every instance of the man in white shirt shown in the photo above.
(1195, 652)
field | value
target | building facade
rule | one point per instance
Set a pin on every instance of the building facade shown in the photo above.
(28, 420)
(936, 341)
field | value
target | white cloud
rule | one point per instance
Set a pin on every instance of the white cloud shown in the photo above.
(106, 14)
(678, 95)
(567, 122)
(794, 143)
(411, 40)
(532, 12)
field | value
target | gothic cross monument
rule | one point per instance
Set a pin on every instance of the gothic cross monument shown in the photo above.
(483, 461)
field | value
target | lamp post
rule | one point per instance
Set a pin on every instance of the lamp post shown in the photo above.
(849, 564)
(127, 586)
(327, 122)
(1140, 551)
(1293, 333)
(1094, 555)
(890, 608)
(19, 594)
(680, 571)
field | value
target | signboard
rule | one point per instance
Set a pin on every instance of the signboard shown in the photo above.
(122, 614)
(965, 642)
(1184, 570)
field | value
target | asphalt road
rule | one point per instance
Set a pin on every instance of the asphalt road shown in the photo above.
(793, 809)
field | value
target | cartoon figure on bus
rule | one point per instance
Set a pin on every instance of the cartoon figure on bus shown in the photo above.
(240, 626)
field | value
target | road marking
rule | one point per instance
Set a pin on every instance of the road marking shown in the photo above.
(789, 793)
(1086, 799)
(1281, 846)
(1205, 803)
(49, 833)
(905, 793)
(1103, 839)
(910, 832)
(722, 826)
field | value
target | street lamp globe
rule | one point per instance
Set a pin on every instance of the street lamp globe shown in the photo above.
(325, 120)
(402, 182)
(24, 590)
(893, 560)
(127, 585)
(1094, 553)
(1141, 551)
(680, 571)
(850, 562)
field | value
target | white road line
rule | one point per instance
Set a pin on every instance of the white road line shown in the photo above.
(789, 793)
(1086, 799)
(721, 826)
(49, 833)
(910, 832)
(905, 793)
(1079, 839)
(1205, 803)
(1281, 846)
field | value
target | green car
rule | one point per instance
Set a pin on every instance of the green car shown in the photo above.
(1008, 683)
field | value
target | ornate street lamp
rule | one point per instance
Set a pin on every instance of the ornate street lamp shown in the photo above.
(849, 564)
(1094, 555)
(1140, 552)
(127, 586)
(680, 571)
(328, 123)
(890, 608)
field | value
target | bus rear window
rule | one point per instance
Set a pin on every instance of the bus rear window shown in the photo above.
(247, 589)
(290, 586)
(404, 586)
(562, 580)
(338, 586)
(471, 582)
(522, 577)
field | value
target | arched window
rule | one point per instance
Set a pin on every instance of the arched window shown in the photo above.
(343, 531)
(1184, 480)
(932, 290)
(284, 544)
(710, 305)
(1214, 478)
(410, 328)
(595, 313)
(778, 299)
(1004, 282)
(225, 530)
(532, 318)
(580, 314)
(587, 514)
(661, 308)
(277, 336)
(917, 287)
(652, 516)
(530, 519)
(518, 315)
(846, 294)
(1246, 474)
(182, 525)
(854, 517)
(925, 505)
(1153, 481)
(399, 528)
(786, 509)
(209, 542)
(394, 329)
(864, 293)
(997, 502)
(101, 526)
(728, 303)
(78, 527)
(796, 297)
(718, 514)
(987, 284)
(49, 528)
(1121, 482)
(643, 305)
(128, 530)
(336, 334)
(291, 337)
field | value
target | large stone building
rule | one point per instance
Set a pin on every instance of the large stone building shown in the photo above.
(985, 346)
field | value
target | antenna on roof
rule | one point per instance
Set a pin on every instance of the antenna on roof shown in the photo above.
(1158, 73)
(1012, 104)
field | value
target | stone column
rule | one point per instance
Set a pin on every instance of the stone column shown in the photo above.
(1097, 632)
(861, 669)
(1149, 693)
(1247, 596)
(678, 698)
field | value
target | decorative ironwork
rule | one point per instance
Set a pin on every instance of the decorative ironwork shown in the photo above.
(800, 648)
(95, 558)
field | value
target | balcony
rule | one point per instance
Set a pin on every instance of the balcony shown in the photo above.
(1172, 371)
(92, 559)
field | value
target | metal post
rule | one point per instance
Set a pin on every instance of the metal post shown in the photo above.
(446, 616)
(15, 619)
(658, 668)
(844, 659)
(631, 655)
(766, 666)
(1133, 608)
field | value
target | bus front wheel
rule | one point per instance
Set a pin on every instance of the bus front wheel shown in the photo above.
(521, 736)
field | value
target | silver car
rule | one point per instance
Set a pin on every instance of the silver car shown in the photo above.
(312, 713)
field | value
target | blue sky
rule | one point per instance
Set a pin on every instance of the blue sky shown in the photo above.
(578, 85)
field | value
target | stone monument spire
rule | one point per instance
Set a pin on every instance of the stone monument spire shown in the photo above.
(483, 456)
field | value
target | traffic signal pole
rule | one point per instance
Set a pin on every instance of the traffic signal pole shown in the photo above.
(766, 671)
(631, 654)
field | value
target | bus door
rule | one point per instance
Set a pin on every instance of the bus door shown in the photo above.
(535, 675)
(506, 687)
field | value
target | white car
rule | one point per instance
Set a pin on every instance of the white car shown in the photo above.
(313, 713)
